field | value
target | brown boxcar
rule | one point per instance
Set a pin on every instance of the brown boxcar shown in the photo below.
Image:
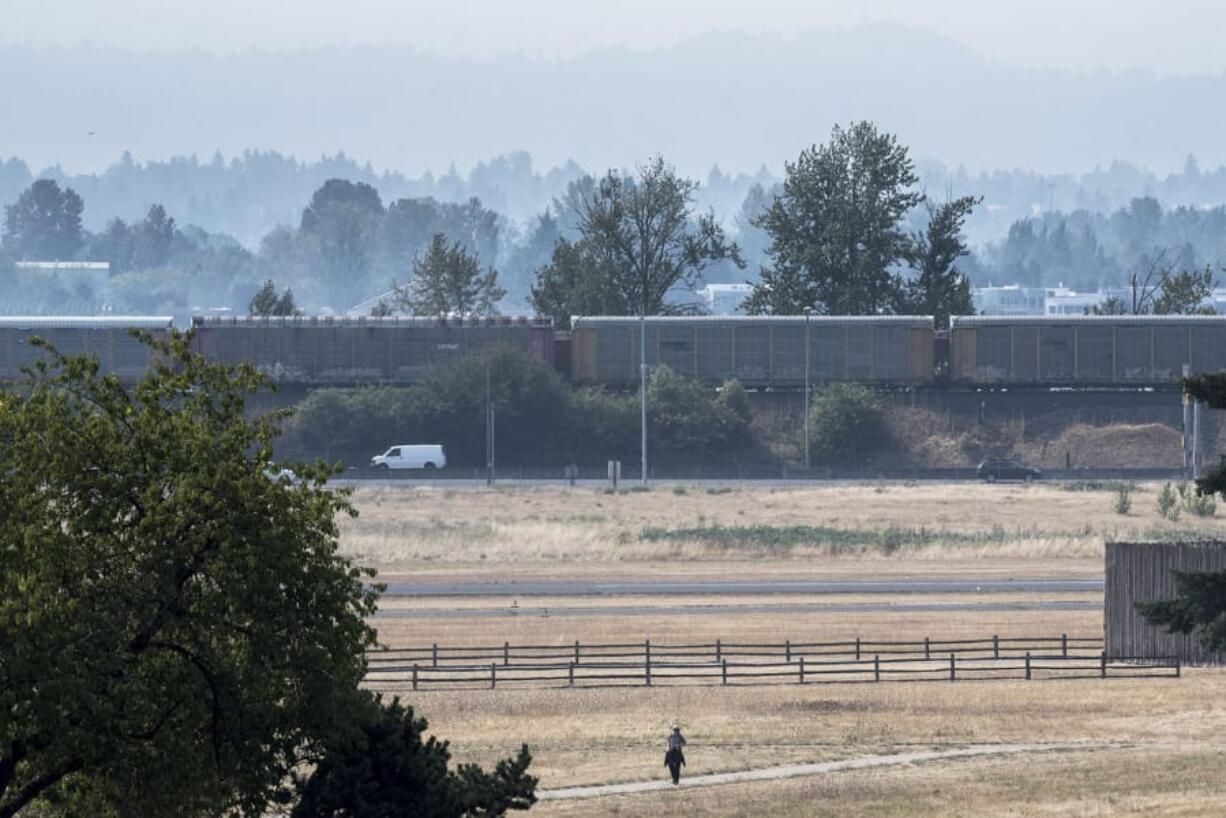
(759, 351)
(107, 338)
(1092, 350)
(344, 351)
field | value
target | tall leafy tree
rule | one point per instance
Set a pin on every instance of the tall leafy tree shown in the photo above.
(644, 228)
(343, 219)
(154, 238)
(939, 288)
(179, 632)
(44, 224)
(836, 229)
(574, 282)
(448, 280)
(1183, 293)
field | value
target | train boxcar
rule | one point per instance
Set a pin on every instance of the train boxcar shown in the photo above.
(759, 351)
(1092, 350)
(107, 338)
(346, 351)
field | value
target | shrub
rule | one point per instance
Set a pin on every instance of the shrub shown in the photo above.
(1201, 505)
(845, 422)
(1168, 502)
(1123, 499)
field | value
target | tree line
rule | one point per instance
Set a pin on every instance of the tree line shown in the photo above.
(849, 230)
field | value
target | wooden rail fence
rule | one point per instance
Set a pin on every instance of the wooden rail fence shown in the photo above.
(726, 663)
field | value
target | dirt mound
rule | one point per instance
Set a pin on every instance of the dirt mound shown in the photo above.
(1146, 445)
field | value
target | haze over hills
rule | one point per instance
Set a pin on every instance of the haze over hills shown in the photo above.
(736, 99)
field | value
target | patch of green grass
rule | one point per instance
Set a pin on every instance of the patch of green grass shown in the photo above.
(1099, 485)
(836, 540)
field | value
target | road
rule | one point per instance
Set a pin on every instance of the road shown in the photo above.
(402, 588)
(541, 611)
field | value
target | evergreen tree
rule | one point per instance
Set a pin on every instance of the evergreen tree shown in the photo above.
(448, 280)
(939, 288)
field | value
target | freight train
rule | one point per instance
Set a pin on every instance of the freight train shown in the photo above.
(762, 352)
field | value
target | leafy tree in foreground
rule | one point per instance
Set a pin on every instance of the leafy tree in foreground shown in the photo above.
(448, 280)
(1199, 605)
(178, 629)
(394, 769)
(573, 283)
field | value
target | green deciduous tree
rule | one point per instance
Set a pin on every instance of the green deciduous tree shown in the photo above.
(845, 423)
(44, 224)
(448, 280)
(574, 282)
(939, 288)
(644, 235)
(178, 629)
(342, 221)
(1183, 293)
(836, 228)
(394, 769)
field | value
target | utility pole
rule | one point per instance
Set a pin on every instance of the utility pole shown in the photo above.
(643, 388)
(489, 426)
(808, 312)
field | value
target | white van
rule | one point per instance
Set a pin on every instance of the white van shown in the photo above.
(427, 456)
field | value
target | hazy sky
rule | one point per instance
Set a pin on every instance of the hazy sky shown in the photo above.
(1167, 36)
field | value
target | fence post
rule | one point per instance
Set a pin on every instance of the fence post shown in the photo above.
(1027, 665)
(434, 654)
(1178, 662)
(876, 668)
(576, 651)
(995, 646)
(787, 649)
(1103, 665)
(647, 668)
(802, 670)
(570, 674)
(952, 673)
(506, 653)
(724, 671)
(1064, 644)
(719, 650)
(414, 677)
(857, 648)
(493, 671)
(927, 652)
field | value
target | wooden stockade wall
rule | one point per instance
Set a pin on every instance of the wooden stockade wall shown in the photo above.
(728, 663)
(1142, 572)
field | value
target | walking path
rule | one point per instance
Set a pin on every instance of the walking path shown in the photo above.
(797, 770)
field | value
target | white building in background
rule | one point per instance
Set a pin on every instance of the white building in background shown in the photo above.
(1012, 299)
(71, 274)
(1063, 301)
(725, 299)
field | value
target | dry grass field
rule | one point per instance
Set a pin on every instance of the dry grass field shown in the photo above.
(1167, 737)
(710, 531)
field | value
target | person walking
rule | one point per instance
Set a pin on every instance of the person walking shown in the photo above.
(674, 756)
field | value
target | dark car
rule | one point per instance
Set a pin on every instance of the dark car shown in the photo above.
(993, 470)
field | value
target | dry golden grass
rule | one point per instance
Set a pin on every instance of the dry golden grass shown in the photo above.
(531, 528)
(602, 735)
(1166, 780)
(741, 627)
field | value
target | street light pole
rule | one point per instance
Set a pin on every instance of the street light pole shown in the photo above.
(807, 345)
(643, 393)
